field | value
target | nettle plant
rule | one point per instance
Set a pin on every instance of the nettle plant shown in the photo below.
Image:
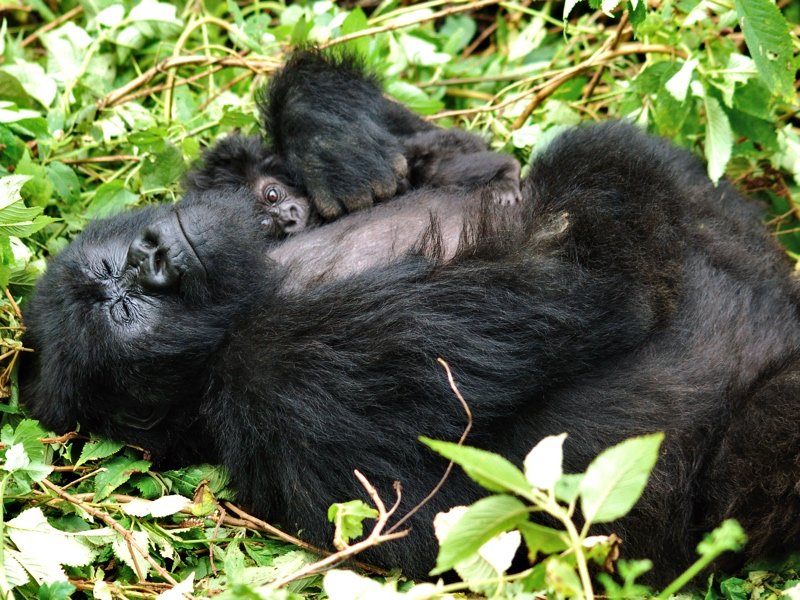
(479, 542)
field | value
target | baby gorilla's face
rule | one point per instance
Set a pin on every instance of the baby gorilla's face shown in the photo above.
(284, 208)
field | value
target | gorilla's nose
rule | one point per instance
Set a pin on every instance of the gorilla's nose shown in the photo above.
(149, 253)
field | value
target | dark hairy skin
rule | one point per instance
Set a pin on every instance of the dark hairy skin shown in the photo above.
(622, 293)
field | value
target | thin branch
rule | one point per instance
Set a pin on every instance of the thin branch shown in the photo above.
(52, 25)
(450, 465)
(108, 520)
(101, 159)
(375, 538)
(611, 44)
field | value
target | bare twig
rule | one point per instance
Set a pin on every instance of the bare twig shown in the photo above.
(52, 25)
(101, 159)
(257, 65)
(450, 465)
(610, 44)
(375, 538)
(105, 518)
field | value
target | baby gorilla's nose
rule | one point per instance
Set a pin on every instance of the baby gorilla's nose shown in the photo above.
(149, 253)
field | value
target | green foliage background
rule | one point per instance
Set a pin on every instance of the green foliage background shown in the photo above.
(103, 104)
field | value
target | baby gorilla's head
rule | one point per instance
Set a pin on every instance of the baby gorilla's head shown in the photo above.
(246, 162)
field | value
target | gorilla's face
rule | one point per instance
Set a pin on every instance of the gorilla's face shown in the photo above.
(125, 320)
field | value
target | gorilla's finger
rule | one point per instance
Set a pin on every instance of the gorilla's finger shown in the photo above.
(358, 200)
(328, 207)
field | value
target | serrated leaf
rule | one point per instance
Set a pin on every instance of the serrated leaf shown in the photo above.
(43, 549)
(16, 574)
(678, 84)
(767, 35)
(543, 463)
(180, 591)
(130, 555)
(491, 471)
(16, 458)
(109, 199)
(116, 472)
(10, 187)
(616, 479)
(719, 138)
(162, 507)
(348, 518)
(97, 449)
(481, 522)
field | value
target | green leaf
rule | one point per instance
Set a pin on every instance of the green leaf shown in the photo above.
(616, 479)
(568, 487)
(491, 471)
(542, 540)
(482, 521)
(729, 536)
(117, 471)
(719, 138)
(109, 199)
(162, 169)
(348, 518)
(543, 463)
(65, 181)
(766, 33)
(97, 449)
(354, 22)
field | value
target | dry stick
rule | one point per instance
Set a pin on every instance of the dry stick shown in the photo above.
(557, 82)
(257, 65)
(98, 514)
(394, 26)
(52, 25)
(375, 537)
(101, 159)
(610, 45)
(450, 465)
(14, 304)
(160, 88)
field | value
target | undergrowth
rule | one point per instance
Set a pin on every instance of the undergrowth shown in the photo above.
(103, 104)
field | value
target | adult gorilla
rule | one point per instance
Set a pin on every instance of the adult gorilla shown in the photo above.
(625, 294)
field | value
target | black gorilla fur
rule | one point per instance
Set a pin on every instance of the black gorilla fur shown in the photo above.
(627, 295)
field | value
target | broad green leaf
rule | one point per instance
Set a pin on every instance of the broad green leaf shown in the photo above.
(491, 471)
(543, 463)
(98, 448)
(348, 518)
(766, 33)
(719, 138)
(542, 540)
(10, 187)
(568, 487)
(678, 84)
(117, 471)
(560, 577)
(354, 22)
(481, 522)
(43, 549)
(109, 199)
(616, 479)
(34, 80)
(163, 169)
(65, 182)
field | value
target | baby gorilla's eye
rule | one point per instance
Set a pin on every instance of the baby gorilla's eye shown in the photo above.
(272, 194)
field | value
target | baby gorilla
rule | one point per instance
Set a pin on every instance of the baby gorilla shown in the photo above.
(447, 159)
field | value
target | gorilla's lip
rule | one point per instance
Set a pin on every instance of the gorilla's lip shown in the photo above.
(189, 243)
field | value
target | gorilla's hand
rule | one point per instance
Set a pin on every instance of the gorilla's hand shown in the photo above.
(340, 138)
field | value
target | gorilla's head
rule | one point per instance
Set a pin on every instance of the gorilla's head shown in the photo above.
(124, 322)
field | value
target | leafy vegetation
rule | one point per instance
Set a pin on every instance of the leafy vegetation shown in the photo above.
(103, 104)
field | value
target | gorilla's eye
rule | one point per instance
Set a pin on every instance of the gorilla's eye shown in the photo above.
(272, 194)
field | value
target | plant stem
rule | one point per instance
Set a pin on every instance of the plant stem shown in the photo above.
(5, 589)
(576, 539)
